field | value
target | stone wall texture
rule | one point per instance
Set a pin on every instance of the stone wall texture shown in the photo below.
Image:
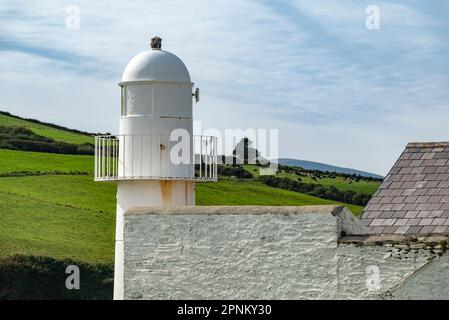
(272, 253)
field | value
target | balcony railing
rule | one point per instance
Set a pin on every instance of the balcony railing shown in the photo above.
(155, 157)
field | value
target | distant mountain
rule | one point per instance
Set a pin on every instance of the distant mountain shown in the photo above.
(311, 165)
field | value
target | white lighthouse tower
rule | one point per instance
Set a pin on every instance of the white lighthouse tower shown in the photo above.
(155, 159)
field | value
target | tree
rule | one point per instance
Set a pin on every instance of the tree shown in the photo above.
(244, 151)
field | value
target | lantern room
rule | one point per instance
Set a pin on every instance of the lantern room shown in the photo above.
(155, 140)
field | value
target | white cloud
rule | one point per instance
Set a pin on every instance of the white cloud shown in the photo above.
(338, 93)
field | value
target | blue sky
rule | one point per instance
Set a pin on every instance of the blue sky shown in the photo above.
(338, 92)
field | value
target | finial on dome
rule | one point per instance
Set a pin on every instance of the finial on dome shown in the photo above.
(156, 43)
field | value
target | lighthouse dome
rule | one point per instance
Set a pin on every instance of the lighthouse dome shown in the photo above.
(156, 65)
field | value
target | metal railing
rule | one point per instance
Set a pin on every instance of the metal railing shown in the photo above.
(155, 157)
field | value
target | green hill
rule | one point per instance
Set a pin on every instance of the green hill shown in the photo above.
(248, 192)
(56, 132)
(14, 162)
(51, 210)
(50, 205)
(341, 182)
(312, 165)
(70, 216)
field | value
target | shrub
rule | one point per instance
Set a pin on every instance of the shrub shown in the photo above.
(85, 148)
(20, 138)
(317, 190)
(234, 171)
(33, 277)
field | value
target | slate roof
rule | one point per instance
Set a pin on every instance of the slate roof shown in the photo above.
(414, 196)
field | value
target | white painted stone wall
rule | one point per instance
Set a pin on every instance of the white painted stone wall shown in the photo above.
(432, 281)
(369, 271)
(271, 253)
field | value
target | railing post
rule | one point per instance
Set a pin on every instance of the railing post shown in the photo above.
(102, 159)
(201, 157)
(216, 158)
(117, 154)
(95, 158)
(108, 164)
(114, 164)
(210, 156)
(206, 166)
(113, 157)
(117, 157)
(107, 153)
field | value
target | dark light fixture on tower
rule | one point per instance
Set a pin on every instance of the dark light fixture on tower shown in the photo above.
(156, 43)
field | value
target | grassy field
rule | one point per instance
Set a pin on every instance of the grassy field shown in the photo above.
(64, 190)
(71, 216)
(366, 187)
(35, 227)
(61, 216)
(82, 192)
(16, 161)
(49, 132)
(52, 210)
(68, 215)
(249, 192)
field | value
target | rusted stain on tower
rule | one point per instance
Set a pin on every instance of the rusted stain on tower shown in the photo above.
(166, 191)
